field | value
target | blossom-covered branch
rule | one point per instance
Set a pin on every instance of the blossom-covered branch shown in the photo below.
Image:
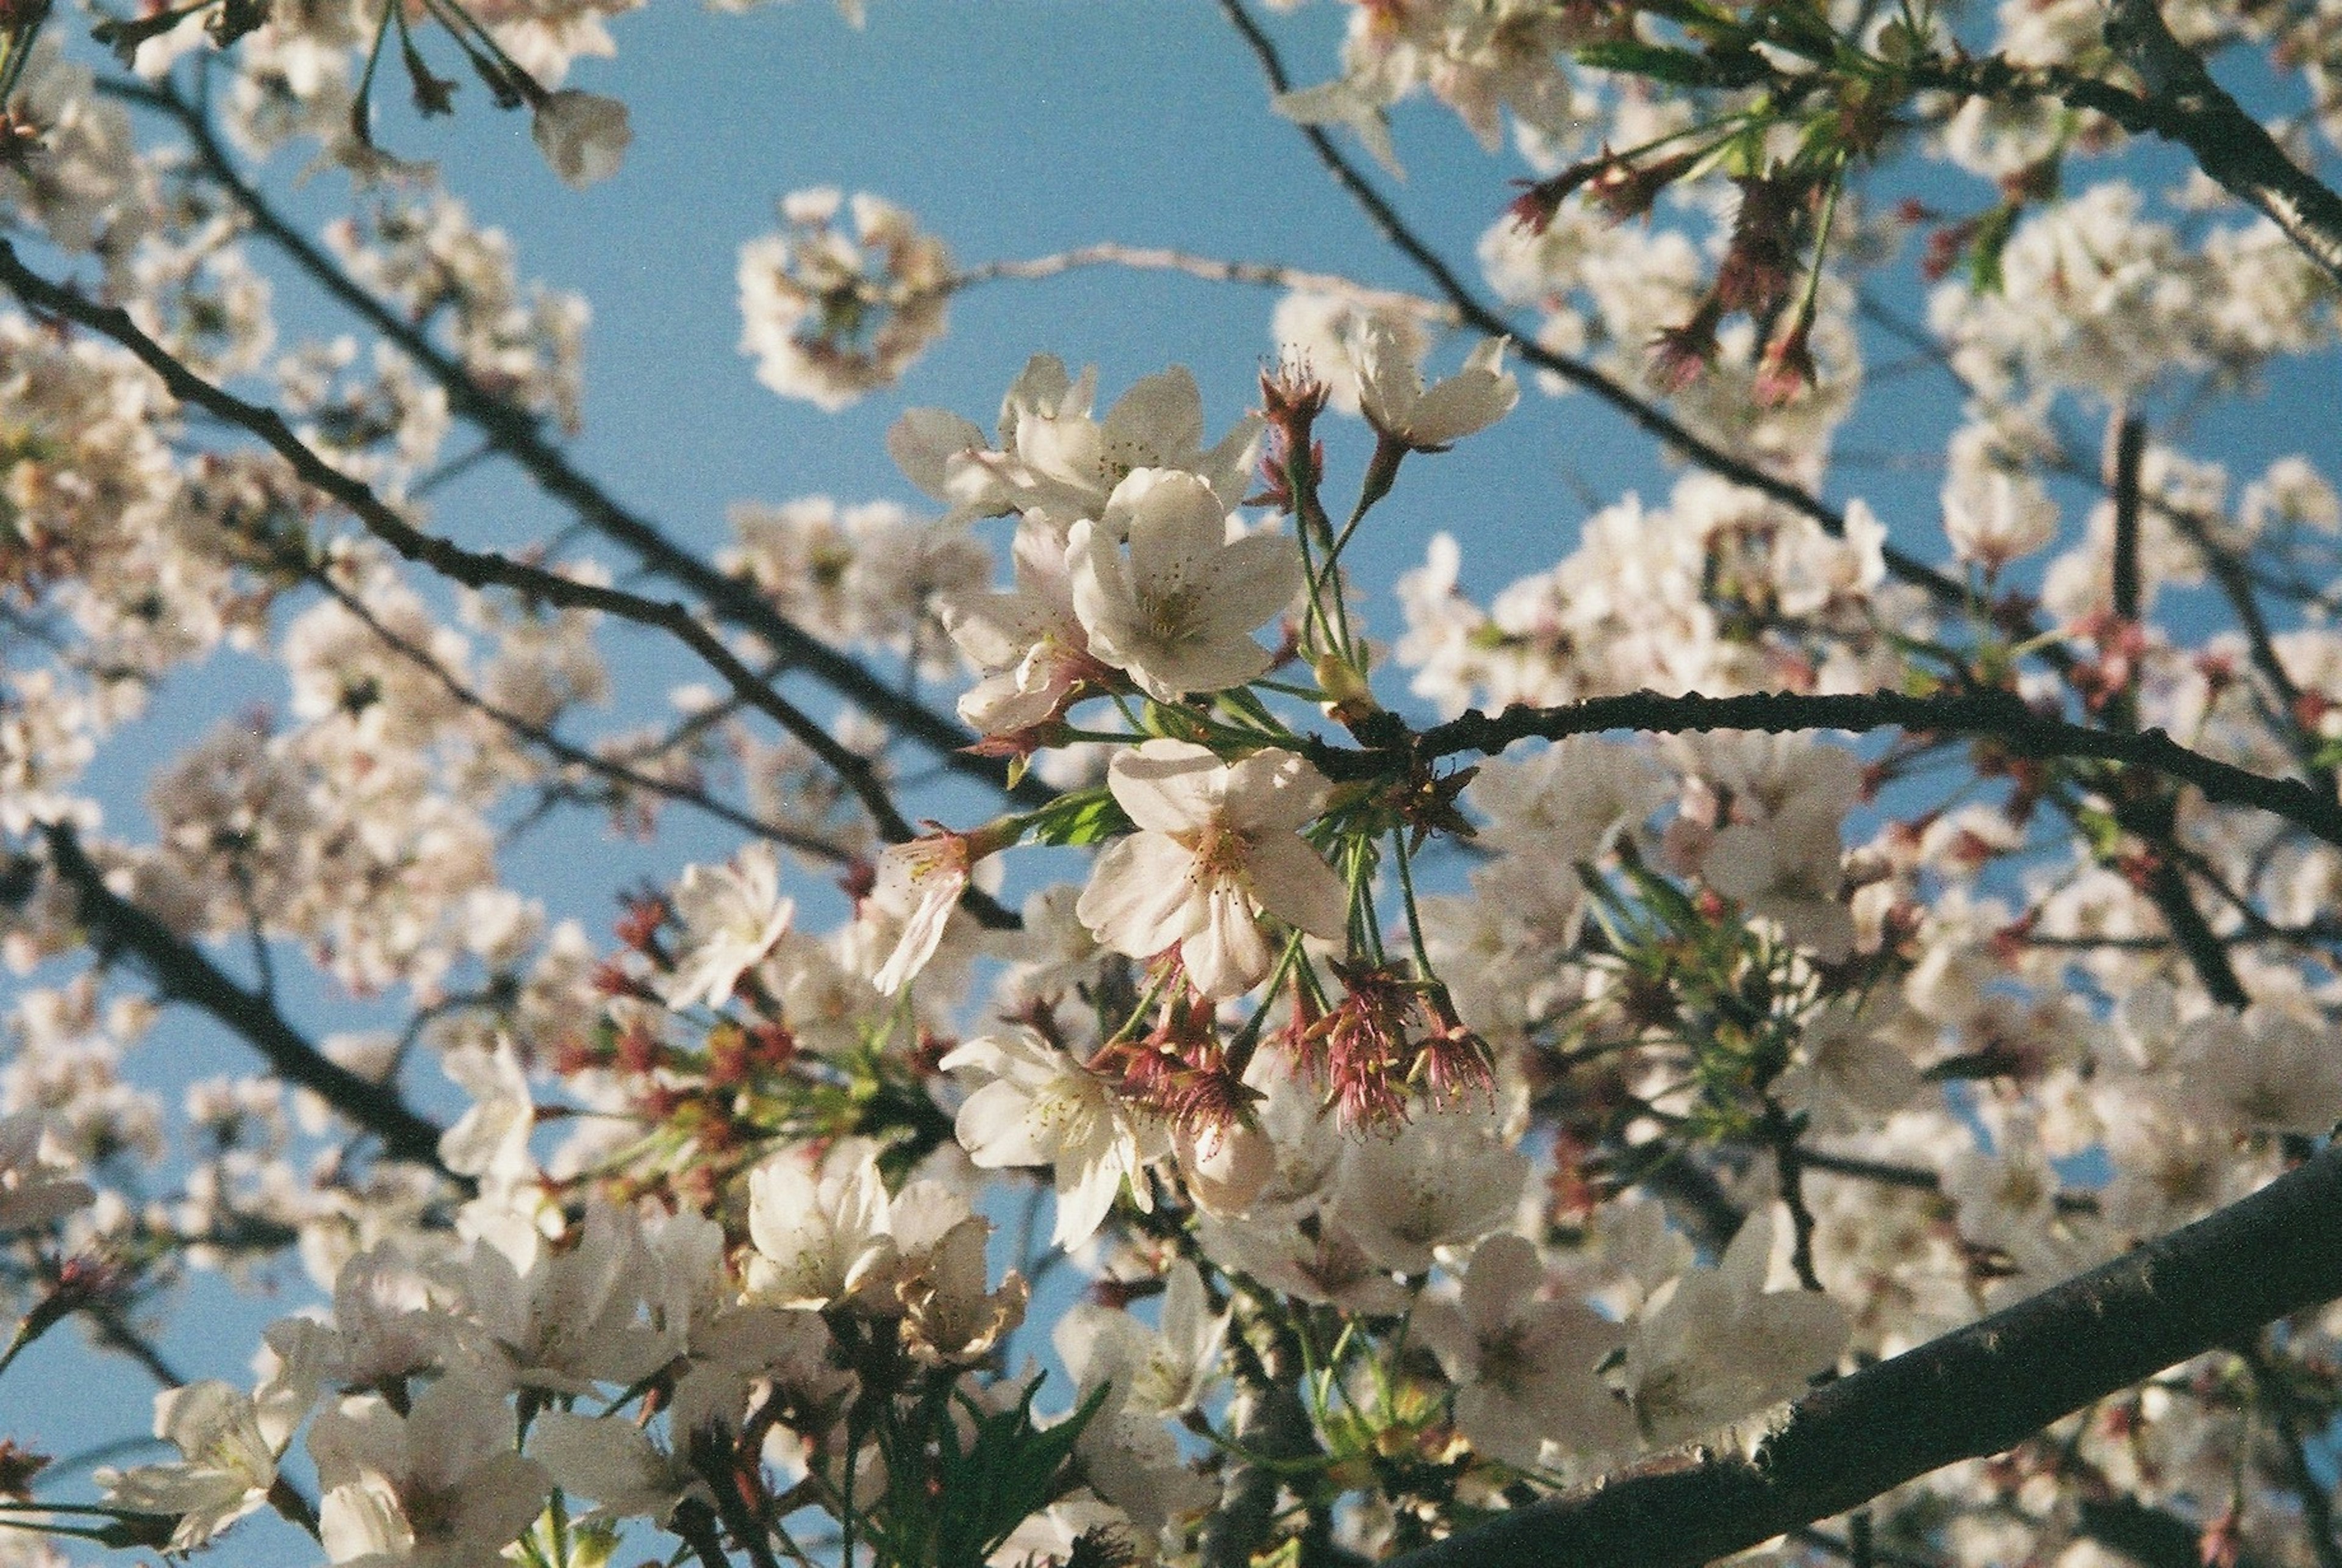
(1972, 1393)
(182, 974)
(2001, 717)
(473, 568)
(518, 434)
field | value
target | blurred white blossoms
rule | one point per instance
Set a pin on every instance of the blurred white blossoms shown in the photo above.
(1785, 797)
(1178, 613)
(732, 916)
(829, 315)
(1392, 396)
(1993, 517)
(33, 1192)
(1217, 846)
(583, 136)
(1044, 1108)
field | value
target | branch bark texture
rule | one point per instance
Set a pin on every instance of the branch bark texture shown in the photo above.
(1972, 1393)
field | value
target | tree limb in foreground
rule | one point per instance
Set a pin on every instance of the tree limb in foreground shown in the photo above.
(1975, 1392)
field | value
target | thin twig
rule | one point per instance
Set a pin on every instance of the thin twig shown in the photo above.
(1212, 269)
(517, 432)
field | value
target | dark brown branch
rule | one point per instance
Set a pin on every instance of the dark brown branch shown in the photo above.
(2181, 104)
(1975, 1392)
(2000, 716)
(182, 972)
(518, 434)
(473, 568)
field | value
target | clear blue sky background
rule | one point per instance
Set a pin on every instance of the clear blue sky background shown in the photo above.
(1013, 128)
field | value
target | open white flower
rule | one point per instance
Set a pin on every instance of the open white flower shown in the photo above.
(1392, 396)
(1217, 845)
(1524, 1368)
(821, 1235)
(920, 883)
(1057, 463)
(492, 1138)
(440, 1487)
(732, 916)
(230, 1445)
(1031, 645)
(610, 1460)
(1161, 1372)
(1178, 613)
(1443, 1181)
(1719, 1345)
(1044, 1108)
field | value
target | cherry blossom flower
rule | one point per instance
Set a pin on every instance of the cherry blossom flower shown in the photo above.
(732, 916)
(1044, 1108)
(1524, 1367)
(439, 1487)
(1994, 517)
(1032, 646)
(1392, 396)
(1442, 1181)
(570, 1319)
(1719, 1345)
(1128, 1455)
(951, 1316)
(231, 1445)
(583, 136)
(1164, 1371)
(1177, 614)
(33, 1192)
(1216, 848)
(1055, 462)
(922, 881)
(821, 1235)
(491, 1139)
(2264, 1070)
(612, 1462)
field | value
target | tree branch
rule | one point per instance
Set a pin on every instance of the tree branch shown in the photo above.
(515, 433)
(2001, 717)
(478, 568)
(2182, 104)
(182, 972)
(1972, 1393)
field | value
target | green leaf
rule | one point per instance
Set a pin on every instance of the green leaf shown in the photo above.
(1085, 817)
(1009, 1472)
(1680, 67)
(1992, 237)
